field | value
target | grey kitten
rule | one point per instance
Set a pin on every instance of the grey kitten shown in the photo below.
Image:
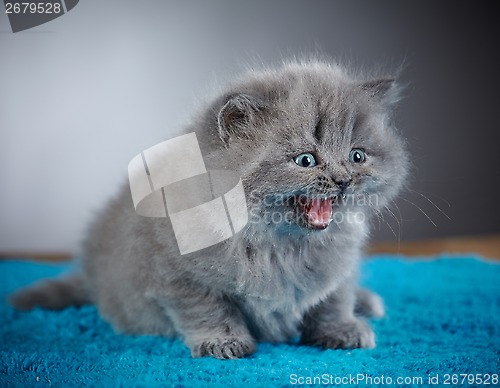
(318, 156)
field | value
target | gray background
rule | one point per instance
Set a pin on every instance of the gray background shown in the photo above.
(83, 94)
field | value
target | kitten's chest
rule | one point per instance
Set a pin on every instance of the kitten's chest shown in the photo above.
(292, 277)
(280, 285)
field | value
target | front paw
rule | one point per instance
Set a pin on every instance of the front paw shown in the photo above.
(343, 335)
(224, 348)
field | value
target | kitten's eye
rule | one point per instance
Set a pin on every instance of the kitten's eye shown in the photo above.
(357, 155)
(305, 160)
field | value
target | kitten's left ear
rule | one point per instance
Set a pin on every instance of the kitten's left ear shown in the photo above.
(384, 89)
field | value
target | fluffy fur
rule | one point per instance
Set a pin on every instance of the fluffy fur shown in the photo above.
(279, 278)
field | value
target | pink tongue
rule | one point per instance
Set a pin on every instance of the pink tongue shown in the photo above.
(319, 212)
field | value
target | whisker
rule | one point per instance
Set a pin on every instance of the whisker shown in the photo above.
(436, 206)
(399, 224)
(393, 216)
(440, 198)
(398, 209)
(377, 213)
(419, 208)
(390, 227)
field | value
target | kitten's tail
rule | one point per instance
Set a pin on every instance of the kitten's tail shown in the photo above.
(54, 294)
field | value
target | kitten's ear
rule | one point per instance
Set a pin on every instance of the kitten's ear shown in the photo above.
(384, 89)
(238, 114)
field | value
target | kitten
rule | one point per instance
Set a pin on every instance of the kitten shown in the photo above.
(318, 156)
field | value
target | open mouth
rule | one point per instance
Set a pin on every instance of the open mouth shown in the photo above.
(317, 213)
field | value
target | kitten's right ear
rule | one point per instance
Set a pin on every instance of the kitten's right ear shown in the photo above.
(238, 114)
(379, 86)
(385, 90)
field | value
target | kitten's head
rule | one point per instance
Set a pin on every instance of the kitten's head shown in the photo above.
(316, 148)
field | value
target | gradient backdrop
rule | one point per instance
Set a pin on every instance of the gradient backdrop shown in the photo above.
(83, 94)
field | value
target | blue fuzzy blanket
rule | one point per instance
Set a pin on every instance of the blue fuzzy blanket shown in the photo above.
(442, 325)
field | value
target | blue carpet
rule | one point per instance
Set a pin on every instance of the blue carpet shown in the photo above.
(442, 321)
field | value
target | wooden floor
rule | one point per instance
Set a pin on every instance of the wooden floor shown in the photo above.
(487, 246)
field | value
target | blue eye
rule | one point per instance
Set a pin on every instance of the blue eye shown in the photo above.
(357, 155)
(305, 160)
